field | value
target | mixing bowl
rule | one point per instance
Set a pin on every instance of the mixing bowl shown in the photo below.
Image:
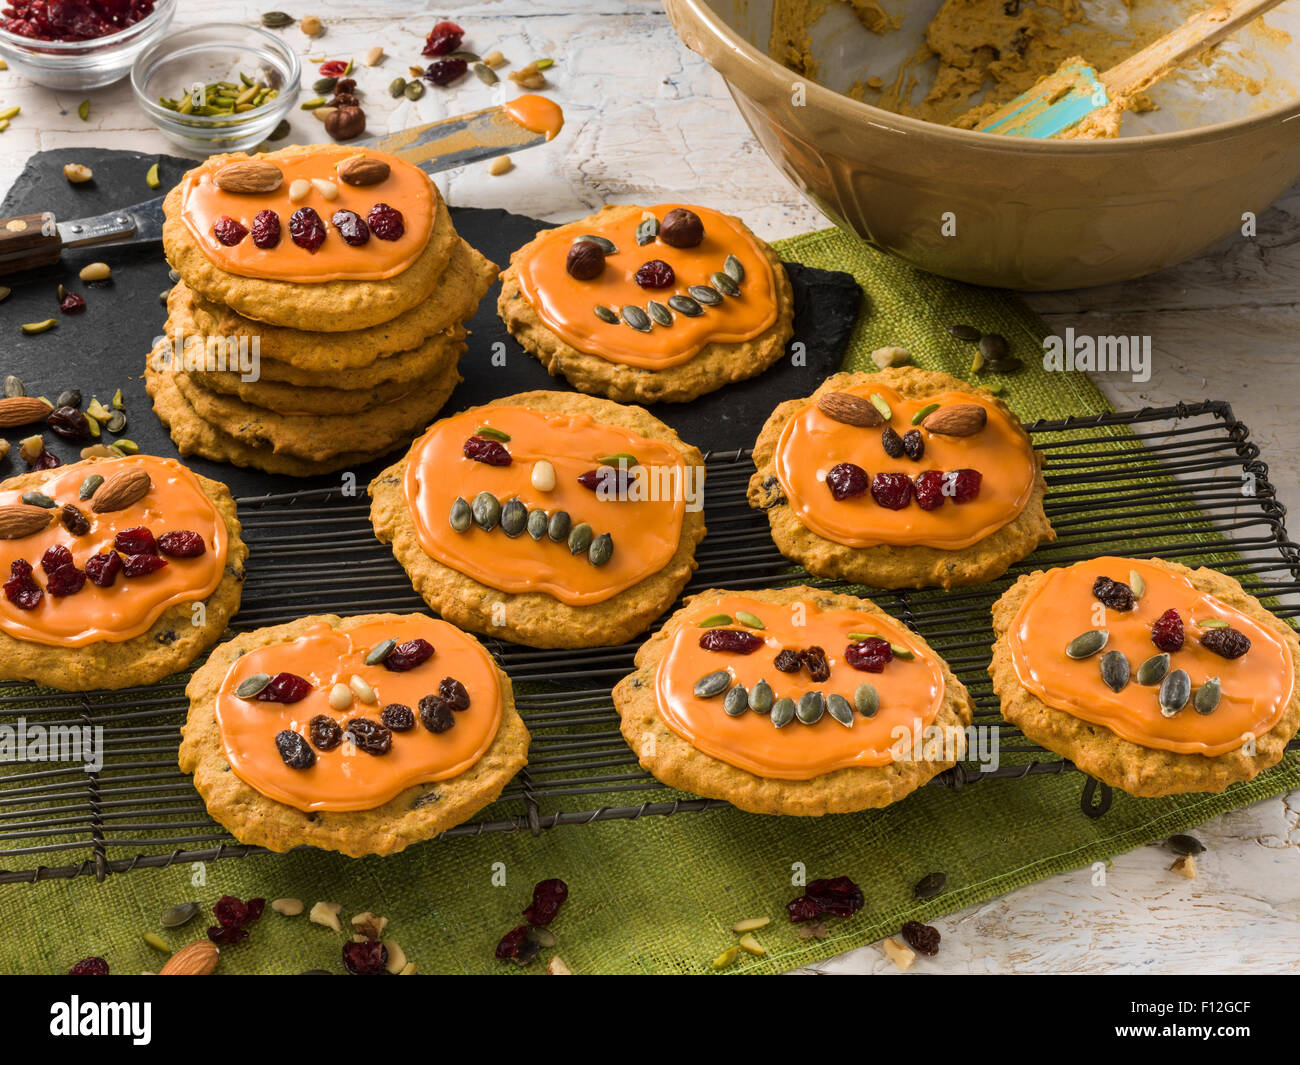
(1002, 211)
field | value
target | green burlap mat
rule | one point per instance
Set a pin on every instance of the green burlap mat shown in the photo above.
(658, 895)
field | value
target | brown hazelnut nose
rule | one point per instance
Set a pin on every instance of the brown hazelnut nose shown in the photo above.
(585, 260)
(681, 228)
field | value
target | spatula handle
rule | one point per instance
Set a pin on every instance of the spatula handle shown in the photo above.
(28, 241)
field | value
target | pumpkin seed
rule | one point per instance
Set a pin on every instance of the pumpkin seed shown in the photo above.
(647, 230)
(930, 885)
(88, 486)
(1087, 644)
(116, 422)
(601, 550)
(1136, 583)
(280, 132)
(1182, 843)
(724, 284)
(178, 915)
(840, 709)
(1008, 365)
(379, 652)
(275, 20)
(993, 346)
(866, 699)
(514, 515)
(1153, 670)
(486, 510)
(636, 318)
(964, 332)
(685, 305)
(603, 243)
(492, 434)
(250, 686)
(580, 537)
(485, 74)
(746, 618)
(414, 90)
(714, 620)
(557, 528)
(811, 707)
(461, 515)
(38, 499)
(1174, 692)
(469, 57)
(1211, 623)
(14, 387)
(736, 701)
(761, 697)
(924, 413)
(1206, 699)
(710, 297)
(659, 312)
(735, 269)
(712, 684)
(605, 314)
(536, 524)
(323, 86)
(783, 711)
(396, 87)
(1115, 670)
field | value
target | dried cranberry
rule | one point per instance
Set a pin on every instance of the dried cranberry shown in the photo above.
(913, 444)
(408, 655)
(443, 72)
(443, 39)
(814, 660)
(45, 461)
(891, 442)
(1228, 643)
(69, 423)
(294, 750)
(102, 569)
(266, 229)
(1115, 594)
(366, 958)
(333, 68)
(846, 481)
(181, 543)
(512, 943)
(89, 967)
(928, 489)
(654, 274)
(608, 480)
(325, 732)
(735, 640)
(397, 717)
(72, 303)
(386, 222)
(965, 485)
(921, 937)
(74, 520)
(20, 569)
(489, 452)
(255, 908)
(892, 490)
(142, 565)
(136, 541)
(352, 228)
(436, 714)
(307, 229)
(454, 693)
(228, 231)
(284, 688)
(548, 897)
(227, 936)
(802, 909)
(1167, 632)
(369, 736)
(788, 661)
(55, 557)
(230, 912)
(870, 655)
(21, 588)
(840, 897)
(64, 581)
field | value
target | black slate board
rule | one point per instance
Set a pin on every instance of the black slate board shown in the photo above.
(104, 348)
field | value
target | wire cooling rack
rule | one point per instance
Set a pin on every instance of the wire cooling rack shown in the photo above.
(1183, 482)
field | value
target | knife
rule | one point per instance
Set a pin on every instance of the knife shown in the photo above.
(33, 240)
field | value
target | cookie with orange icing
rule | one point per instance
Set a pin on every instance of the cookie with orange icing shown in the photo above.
(116, 572)
(900, 479)
(792, 701)
(361, 735)
(552, 519)
(1148, 675)
(649, 304)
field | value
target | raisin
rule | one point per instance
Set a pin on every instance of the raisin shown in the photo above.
(813, 659)
(266, 230)
(386, 222)
(69, 423)
(136, 541)
(654, 274)
(891, 442)
(788, 661)
(928, 489)
(72, 304)
(548, 897)
(608, 480)
(102, 569)
(74, 520)
(846, 481)
(228, 231)
(294, 751)
(325, 732)
(913, 444)
(1229, 643)
(870, 655)
(64, 581)
(181, 543)
(489, 452)
(443, 39)
(735, 640)
(921, 937)
(55, 557)
(436, 714)
(307, 229)
(369, 736)
(512, 943)
(1114, 594)
(284, 688)
(454, 693)
(142, 565)
(397, 717)
(408, 655)
(892, 490)
(965, 485)
(89, 967)
(352, 228)
(1167, 632)
(367, 958)
(443, 72)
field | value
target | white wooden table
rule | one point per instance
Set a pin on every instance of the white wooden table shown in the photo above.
(649, 122)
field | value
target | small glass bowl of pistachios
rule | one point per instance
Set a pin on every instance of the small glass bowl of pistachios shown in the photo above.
(218, 87)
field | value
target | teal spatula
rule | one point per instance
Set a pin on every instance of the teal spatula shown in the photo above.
(1064, 99)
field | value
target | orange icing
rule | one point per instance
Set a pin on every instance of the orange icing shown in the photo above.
(645, 532)
(131, 605)
(536, 114)
(1256, 687)
(811, 443)
(911, 692)
(406, 188)
(565, 304)
(346, 778)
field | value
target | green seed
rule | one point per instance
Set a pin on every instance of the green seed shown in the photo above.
(1211, 623)
(723, 283)
(964, 332)
(461, 515)
(900, 652)
(1136, 583)
(735, 269)
(250, 686)
(714, 620)
(838, 707)
(661, 314)
(1153, 670)
(601, 550)
(543, 64)
(323, 85)
(414, 90)
(1206, 699)
(275, 20)
(736, 701)
(396, 87)
(38, 499)
(492, 434)
(712, 684)
(866, 699)
(514, 516)
(1115, 670)
(469, 57)
(485, 74)
(537, 524)
(1181, 843)
(636, 318)
(179, 915)
(116, 422)
(605, 314)
(117, 403)
(878, 401)
(312, 104)
(930, 885)
(977, 362)
(88, 486)
(32, 328)
(379, 652)
(619, 458)
(924, 413)
(858, 637)
(486, 510)
(580, 537)
(558, 526)
(647, 231)
(1174, 692)
(993, 346)
(83, 110)
(1087, 644)
(746, 618)
(710, 297)
(761, 697)
(685, 305)
(783, 711)
(605, 245)
(810, 708)
(1008, 365)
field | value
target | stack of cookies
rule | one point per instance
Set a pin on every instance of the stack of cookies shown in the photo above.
(318, 319)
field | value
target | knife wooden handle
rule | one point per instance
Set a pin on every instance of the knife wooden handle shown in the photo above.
(28, 241)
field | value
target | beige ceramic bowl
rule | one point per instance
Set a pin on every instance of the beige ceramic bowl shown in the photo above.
(1028, 214)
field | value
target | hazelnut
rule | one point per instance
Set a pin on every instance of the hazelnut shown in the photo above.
(345, 85)
(345, 99)
(585, 260)
(346, 123)
(681, 228)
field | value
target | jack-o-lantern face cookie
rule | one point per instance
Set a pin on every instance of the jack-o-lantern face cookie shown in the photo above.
(1150, 676)
(361, 735)
(116, 571)
(792, 701)
(900, 479)
(649, 304)
(548, 518)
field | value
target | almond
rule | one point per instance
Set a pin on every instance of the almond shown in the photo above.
(249, 176)
(22, 410)
(18, 520)
(961, 419)
(194, 959)
(849, 409)
(121, 490)
(362, 170)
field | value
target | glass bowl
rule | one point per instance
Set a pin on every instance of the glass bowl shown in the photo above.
(85, 64)
(206, 54)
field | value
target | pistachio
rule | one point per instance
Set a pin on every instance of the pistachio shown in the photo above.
(251, 685)
(713, 621)
(543, 476)
(746, 618)
(32, 328)
(157, 942)
(1212, 623)
(1174, 692)
(761, 697)
(1206, 699)
(840, 709)
(601, 550)
(878, 401)
(636, 318)
(726, 957)
(314, 104)
(382, 649)
(750, 924)
(657, 311)
(580, 537)
(557, 528)
(866, 699)
(1115, 670)
(736, 701)
(704, 294)
(606, 315)
(1153, 670)
(712, 684)
(783, 711)
(924, 413)
(734, 268)
(1087, 644)
(750, 945)
(461, 515)
(97, 410)
(810, 708)
(514, 516)
(492, 433)
(178, 915)
(899, 651)
(618, 458)
(685, 305)
(486, 510)
(363, 690)
(340, 697)
(1136, 583)
(536, 524)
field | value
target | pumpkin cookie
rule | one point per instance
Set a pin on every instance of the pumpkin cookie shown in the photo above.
(792, 701)
(900, 479)
(547, 518)
(1150, 676)
(118, 572)
(661, 304)
(361, 735)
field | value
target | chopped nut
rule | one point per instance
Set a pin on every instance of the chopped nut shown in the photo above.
(77, 174)
(30, 448)
(501, 165)
(556, 967)
(368, 925)
(726, 957)
(374, 56)
(529, 77)
(95, 272)
(494, 59)
(899, 953)
(287, 907)
(750, 945)
(750, 924)
(396, 957)
(415, 72)
(312, 26)
(323, 113)
(4, 450)
(327, 914)
(884, 357)
(1184, 865)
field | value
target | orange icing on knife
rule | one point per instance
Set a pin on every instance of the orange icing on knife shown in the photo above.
(1256, 687)
(131, 605)
(565, 303)
(645, 532)
(407, 188)
(536, 114)
(346, 778)
(812, 443)
(911, 692)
